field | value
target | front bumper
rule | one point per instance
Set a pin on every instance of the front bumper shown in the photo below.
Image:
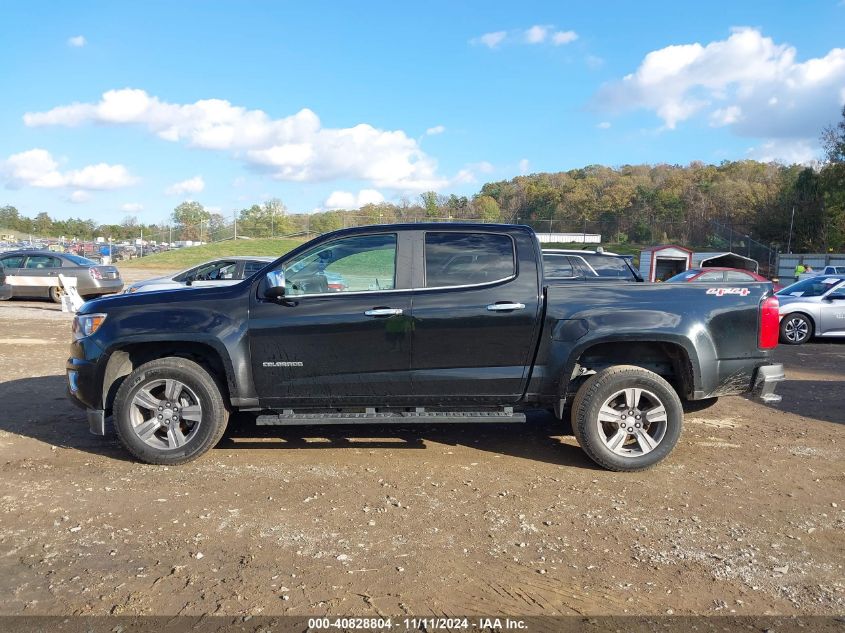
(765, 381)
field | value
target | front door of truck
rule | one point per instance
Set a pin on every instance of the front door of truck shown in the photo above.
(341, 333)
(474, 319)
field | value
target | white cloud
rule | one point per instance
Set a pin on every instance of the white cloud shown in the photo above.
(38, 168)
(132, 207)
(349, 200)
(79, 196)
(604, 125)
(786, 151)
(191, 185)
(564, 37)
(725, 116)
(536, 34)
(746, 82)
(77, 41)
(469, 174)
(491, 40)
(294, 148)
(433, 131)
(524, 166)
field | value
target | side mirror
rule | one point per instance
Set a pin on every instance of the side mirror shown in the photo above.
(835, 297)
(275, 284)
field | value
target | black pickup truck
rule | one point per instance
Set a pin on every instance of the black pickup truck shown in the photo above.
(419, 323)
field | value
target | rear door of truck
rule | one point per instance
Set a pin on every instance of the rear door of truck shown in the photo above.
(476, 307)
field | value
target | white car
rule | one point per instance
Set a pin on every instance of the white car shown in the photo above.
(218, 272)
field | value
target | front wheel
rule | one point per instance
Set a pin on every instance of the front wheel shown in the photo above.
(795, 329)
(56, 294)
(169, 411)
(627, 418)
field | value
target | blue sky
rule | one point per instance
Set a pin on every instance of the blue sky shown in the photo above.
(117, 108)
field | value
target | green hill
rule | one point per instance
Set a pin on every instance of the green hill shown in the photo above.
(193, 255)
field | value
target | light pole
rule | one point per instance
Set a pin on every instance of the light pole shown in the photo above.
(791, 222)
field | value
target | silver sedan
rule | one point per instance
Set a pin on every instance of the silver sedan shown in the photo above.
(36, 274)
(812, 307)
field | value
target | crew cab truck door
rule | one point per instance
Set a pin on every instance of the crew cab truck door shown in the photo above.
(321, 347)
(476, 313)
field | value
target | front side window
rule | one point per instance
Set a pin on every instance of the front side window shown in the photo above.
(353, 264)
(42, 261)
(211, 271)
(464, 259)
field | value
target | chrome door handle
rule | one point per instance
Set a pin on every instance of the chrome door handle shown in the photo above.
(383, 312)
(503, 307)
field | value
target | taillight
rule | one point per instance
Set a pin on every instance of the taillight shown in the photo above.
(95, 273)
(769, 323)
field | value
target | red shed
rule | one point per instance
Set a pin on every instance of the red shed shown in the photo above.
(658, 263)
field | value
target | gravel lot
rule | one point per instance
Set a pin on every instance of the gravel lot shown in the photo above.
(747, 516)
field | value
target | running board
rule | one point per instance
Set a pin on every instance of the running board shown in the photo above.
(289, 418)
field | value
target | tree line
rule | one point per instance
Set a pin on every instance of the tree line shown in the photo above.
(797, 206)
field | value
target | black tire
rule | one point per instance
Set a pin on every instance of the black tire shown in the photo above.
(596, 391)
(691, 406)
(199, 390)
(796, 329)
(56, 294)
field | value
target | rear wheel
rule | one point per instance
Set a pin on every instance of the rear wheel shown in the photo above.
(796, 329)
(56, 294)
(169, 411)
(627, 418)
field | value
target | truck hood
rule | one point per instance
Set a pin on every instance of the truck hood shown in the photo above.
(165, 300)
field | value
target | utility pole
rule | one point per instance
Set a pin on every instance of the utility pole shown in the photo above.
(235, 217)
(789, 241)
(142, 241)
(170, 241)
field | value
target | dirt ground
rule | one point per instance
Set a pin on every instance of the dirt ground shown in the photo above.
(747, 516)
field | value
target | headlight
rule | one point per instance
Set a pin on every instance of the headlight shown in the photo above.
(86, 324)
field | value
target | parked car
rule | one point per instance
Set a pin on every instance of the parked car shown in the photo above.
(5, 288)
(217, 272)
(720, 275)
(36, 274)
(415, 339)
(574, 265)
(812, 307)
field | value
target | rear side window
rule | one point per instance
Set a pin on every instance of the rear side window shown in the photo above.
(611, 267)
(712, 276)
(13, 261)
(557, 267)
(42, 261)
(734, 275)
(464, 259)
(250, 268)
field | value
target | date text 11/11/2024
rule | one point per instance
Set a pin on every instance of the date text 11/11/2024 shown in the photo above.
(417, 624)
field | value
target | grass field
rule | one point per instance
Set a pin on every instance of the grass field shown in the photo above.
(193, 255)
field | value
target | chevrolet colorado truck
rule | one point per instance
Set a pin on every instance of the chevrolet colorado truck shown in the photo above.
(434, 323)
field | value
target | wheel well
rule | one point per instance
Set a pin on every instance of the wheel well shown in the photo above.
(124, 360)
(668, 360)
